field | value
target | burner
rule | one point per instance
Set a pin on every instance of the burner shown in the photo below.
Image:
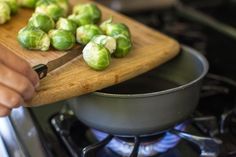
(215, 118)
(82, 141)
(153, 147)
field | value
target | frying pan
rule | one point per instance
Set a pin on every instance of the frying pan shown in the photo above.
(150, 103)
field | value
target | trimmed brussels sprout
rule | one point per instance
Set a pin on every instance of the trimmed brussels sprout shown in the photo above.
(89, 9)
(5, 12)
(33, 38)
(124, 45)
(51, 9)
(81, 19)
(114, 29)
(96, 56)
(62, 39)
(117, 29)
(12, 4)
(85, 33)
(42, 21)
(106, 41)
(64, 4)
(66, 24)
(105, 24)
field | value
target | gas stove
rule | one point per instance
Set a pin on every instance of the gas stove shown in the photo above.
(54, 130)
(207, 133)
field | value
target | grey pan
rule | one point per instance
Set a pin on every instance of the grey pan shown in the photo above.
(149, 103)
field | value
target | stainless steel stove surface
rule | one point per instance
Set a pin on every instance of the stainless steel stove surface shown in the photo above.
(53, 130)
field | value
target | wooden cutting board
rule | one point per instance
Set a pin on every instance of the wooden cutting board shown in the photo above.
(75, 78)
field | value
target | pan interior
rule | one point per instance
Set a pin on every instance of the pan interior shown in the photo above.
(147, 83)
(185, 69)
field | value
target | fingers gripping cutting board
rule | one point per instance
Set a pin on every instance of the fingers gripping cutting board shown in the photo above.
(75, 78)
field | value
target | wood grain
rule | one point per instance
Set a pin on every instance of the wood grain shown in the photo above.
(151, 49)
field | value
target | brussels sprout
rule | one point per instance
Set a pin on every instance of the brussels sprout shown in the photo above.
(124, 45)
(27, 3)
(51, 9)
(117, 29)
(106, 41)
(104, 24)
(5, 12)
(114, 29)
(66, 24)
(81, 19)
(85, 33)
(89, 9)
(64, 4)
(42, 21)
(62, 39)
(33, 38)
(12, 4)
(96, 56)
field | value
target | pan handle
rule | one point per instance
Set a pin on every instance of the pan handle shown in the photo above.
(41, 70)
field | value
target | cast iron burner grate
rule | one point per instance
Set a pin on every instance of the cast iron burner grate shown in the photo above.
(92, 143)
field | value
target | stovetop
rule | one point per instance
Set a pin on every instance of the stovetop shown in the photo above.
(80, 136)
(215, 117)
(32, 132)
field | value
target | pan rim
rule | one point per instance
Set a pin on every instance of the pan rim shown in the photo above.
(194, 52)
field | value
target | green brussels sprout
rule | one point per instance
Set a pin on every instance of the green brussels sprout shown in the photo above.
(106, 41)
(114, 29)
(89, 9)
(124, 45)
(104, 24)
(85, 33)
(42, 21)
(51, 9)
(96, 56)
(66, 24)
(27, 3)
(64, 4)
(12, 4)
(81, 19)
(62, 39)
(5, 12)
(117, 29)
(33, 38)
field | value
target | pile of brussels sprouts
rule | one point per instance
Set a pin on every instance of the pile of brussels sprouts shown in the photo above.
(50, 26)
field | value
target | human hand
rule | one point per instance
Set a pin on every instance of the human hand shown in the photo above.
(17, 82)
